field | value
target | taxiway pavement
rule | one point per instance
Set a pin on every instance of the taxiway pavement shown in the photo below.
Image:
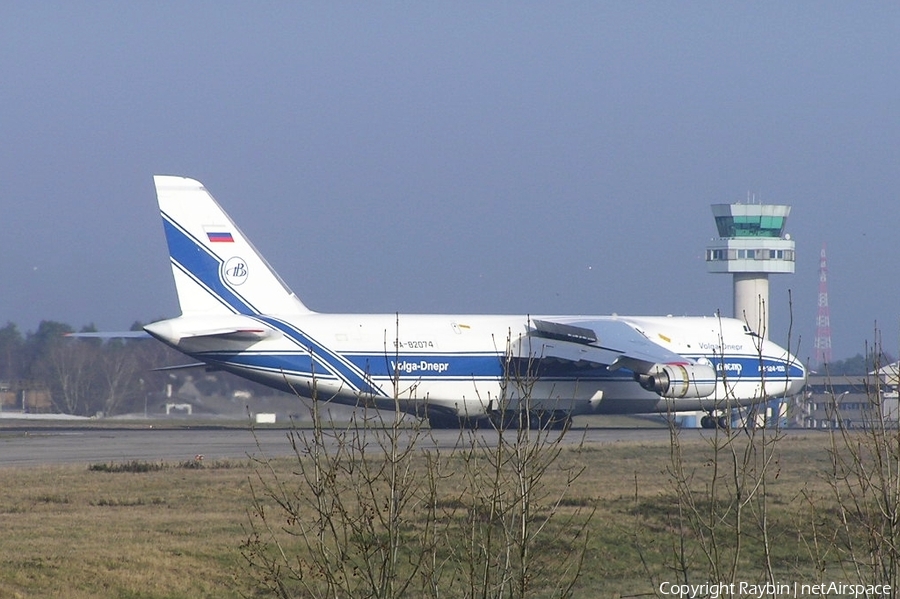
(39, 445)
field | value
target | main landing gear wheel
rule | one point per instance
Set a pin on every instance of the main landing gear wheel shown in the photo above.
(556, 420)
(710, 421)
(441, 421)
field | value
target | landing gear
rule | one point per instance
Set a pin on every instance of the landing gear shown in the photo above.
(710, 421)
(556, 420)
(441, 420)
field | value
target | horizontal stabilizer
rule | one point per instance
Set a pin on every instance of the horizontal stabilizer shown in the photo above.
(234, 327)
(179, 367)
(226, 333)
(111, 335)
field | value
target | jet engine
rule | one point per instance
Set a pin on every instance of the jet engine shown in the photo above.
(677, 381)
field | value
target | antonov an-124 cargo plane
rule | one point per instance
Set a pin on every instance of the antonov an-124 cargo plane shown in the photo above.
(238, 315)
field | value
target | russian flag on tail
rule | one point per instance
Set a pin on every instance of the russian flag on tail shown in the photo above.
(220, 237)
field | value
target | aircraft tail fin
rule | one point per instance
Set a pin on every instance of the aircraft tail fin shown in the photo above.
(217, 270)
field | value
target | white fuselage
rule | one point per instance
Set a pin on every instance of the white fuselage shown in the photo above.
(471, 364)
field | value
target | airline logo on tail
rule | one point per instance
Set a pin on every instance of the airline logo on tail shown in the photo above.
(235, 271)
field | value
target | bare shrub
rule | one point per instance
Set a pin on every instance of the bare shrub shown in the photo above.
(374, 508)
(865, 484)
(720, 527)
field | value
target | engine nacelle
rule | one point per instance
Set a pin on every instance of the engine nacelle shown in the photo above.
(677, 381)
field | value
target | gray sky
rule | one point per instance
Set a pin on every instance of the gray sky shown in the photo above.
(454, 157)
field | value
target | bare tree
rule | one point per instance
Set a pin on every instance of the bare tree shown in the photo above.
(12, 347)
(69, 368)
(865, 483)
(118, 374)
(370, 513)
(722, 507)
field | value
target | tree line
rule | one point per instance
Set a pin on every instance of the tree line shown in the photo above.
(858, 365)
(90, 376)
(87, 376)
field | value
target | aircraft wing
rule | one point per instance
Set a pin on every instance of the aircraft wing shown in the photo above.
(615, 344)
(610, 343)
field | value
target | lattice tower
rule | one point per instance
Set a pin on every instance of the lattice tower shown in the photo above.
(823, 316)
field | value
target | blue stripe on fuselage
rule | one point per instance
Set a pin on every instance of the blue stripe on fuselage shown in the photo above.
(336, 363)
(753, 367)
(443, 366)
(362, 369)
(288, 362)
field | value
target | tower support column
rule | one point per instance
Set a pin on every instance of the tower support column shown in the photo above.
(751, 298)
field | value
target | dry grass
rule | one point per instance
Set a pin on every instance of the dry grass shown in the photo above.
(71, 532)
(176, 531)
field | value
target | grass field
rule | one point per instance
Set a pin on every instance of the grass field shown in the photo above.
(176, 530)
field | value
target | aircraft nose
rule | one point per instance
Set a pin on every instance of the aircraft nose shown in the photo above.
(795, 371)
(798, 381)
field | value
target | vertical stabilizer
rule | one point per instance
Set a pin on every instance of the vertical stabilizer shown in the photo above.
(217, 270)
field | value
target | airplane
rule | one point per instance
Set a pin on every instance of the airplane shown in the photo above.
(239, 316)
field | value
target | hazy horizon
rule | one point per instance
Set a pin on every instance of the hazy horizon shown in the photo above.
(464, 158)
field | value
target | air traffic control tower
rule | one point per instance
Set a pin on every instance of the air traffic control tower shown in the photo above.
(751, 245)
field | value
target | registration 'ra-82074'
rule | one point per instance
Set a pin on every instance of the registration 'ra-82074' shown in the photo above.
(417, 344)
